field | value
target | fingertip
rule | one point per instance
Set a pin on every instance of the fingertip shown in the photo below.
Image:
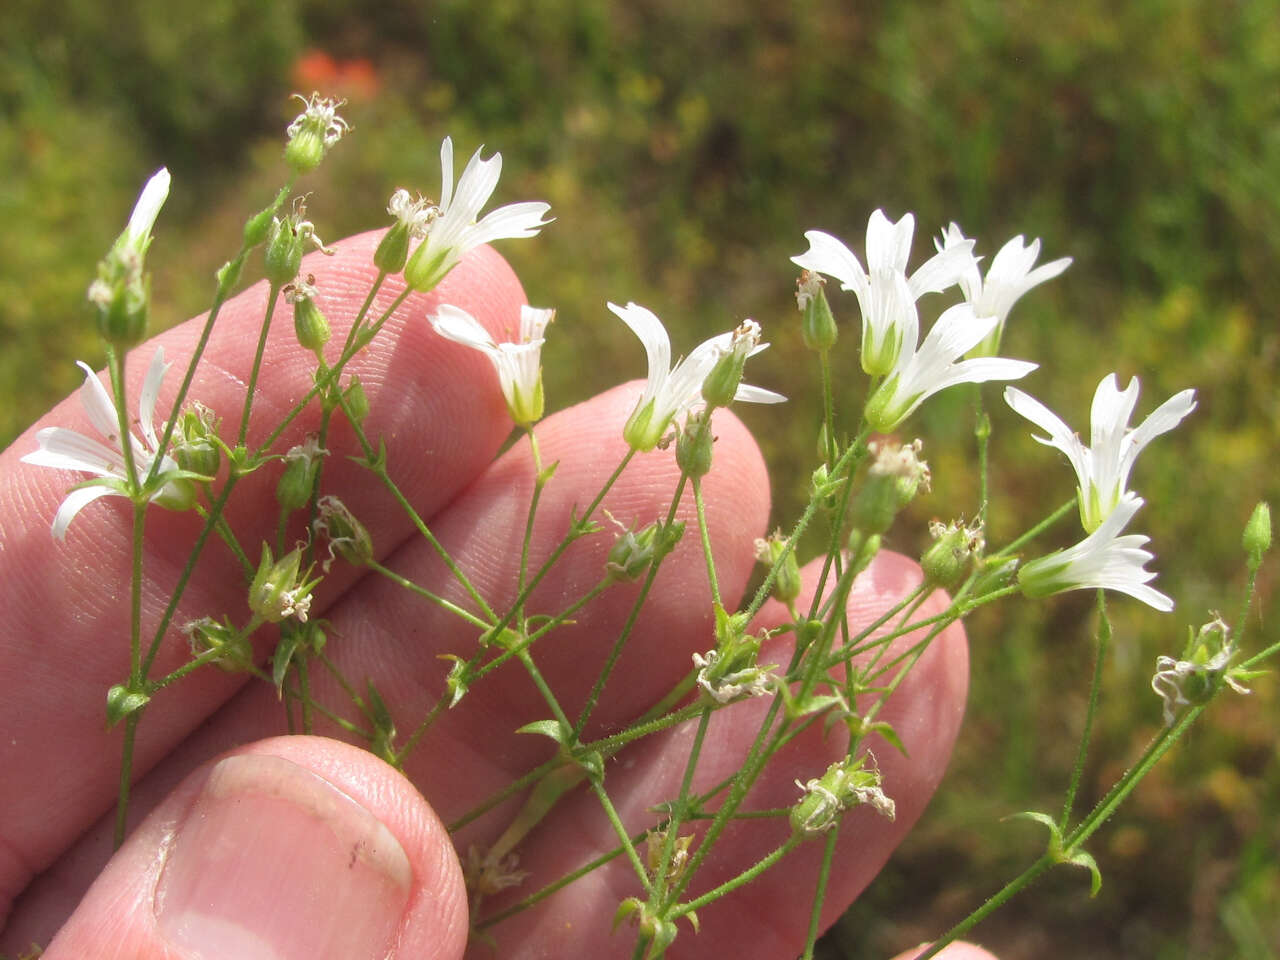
(952, 951)
(285, 848)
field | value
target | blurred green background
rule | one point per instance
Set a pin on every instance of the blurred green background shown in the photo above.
(684, 150)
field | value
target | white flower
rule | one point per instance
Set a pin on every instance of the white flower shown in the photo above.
(137, 235)
(1103, 468)
(519, 364)
(65, 449)
(918, 374)
(119, 292)
(671, 391)
(1103, 560)
(1008, 278)
(886, 295)
(455, 230)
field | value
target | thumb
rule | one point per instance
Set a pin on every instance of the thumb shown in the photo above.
(294, 847)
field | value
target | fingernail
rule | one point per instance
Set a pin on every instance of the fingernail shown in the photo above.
(276, 863)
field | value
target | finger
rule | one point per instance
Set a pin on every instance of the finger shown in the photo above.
(380, 632)
(952, 951)
(770, 916)
(296, 847)
(67, 603)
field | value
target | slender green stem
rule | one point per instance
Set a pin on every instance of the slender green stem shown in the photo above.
(209, 656)
(126, 776)
(679, 807)
(756, 758)
(221, 293)
(997, 900)
(705, 536)
(745, 877)
(554, 886)
(273, 298)
(352, 728)
(593, 698)
(982, 433)
(305, 701)
(421, 591)
(1016, 544)
(420, 731)
(137, 672)
(539, 482)
(1105, 807)
(1095, 686)
(845, 468)
(580, 528)
(115, 369)
(557, 621)
(504, 794)
(623, 836)
(328, 379)
(828, 406)
(820, 895)
(364, 310)
(184, 578)
(544, 688)
(379, 468)
(1242, 621)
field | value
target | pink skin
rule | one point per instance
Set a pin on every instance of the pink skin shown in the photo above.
(439, 408)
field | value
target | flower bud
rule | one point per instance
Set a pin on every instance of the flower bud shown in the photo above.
(950, 557)
(121, 294)
(284, 251)
(892, 482)
(309, 324)
(231, 649)
(721, 384)
(786, 580)
(818, 326)
(357, 404)
(694, 445)
(348, 537)
(122, 310)
(302, 462)
(1257, 534)
(393, 249)
(196, 445)
(632, 553)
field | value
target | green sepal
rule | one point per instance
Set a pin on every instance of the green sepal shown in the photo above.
(384, 728)
(549, 728)
(122, 701)
(290, 640)
(626, 909)
(1077, 858)
(458, 682)
(547, 473)
(859, 727)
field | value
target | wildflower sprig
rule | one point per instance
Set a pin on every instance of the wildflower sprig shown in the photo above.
(814, 661)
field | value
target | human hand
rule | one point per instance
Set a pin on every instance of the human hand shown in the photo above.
(240, 826)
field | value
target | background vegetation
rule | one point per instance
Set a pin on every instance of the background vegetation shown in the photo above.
(684, 149)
